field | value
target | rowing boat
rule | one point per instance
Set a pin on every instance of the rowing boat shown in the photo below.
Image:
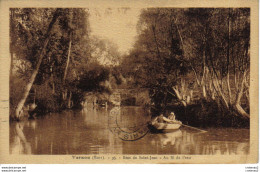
(164, 127)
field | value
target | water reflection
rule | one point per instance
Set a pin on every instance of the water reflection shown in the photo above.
(87, 132)
(165, 139)
(20, 145)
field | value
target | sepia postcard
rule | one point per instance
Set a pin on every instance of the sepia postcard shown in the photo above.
(129, 82)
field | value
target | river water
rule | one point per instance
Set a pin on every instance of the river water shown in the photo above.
(89, 132)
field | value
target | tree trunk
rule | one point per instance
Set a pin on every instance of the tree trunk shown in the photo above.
(11, 43)
(12, 64)
(70, 102)
(229, 89)
(220, 93)
(68, 60)
(228, 58)
(180, 98)
(65, 92)
(179, 33)
(35, 71)
(191, 94)
(213, 91)
(204, 91)
(241, 111)
(52, 84)
(237, 105)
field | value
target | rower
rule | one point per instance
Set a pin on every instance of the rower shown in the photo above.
(172, 118)
(162, 119)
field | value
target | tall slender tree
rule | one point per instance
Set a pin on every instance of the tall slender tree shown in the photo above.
(35, 70)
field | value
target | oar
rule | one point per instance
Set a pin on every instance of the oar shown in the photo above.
(194, 128)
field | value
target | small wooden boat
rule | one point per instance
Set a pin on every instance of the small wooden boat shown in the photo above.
(164, 127)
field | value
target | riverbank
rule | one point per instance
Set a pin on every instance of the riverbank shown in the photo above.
(200, 113)
(207, 114)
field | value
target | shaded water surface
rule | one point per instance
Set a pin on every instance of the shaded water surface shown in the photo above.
(88, 132)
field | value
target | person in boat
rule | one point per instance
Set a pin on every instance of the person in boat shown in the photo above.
(163, 119)
(172, 117)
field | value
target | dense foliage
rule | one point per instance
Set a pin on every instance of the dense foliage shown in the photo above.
(185, 55)
(188, 59)
(68, 66)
